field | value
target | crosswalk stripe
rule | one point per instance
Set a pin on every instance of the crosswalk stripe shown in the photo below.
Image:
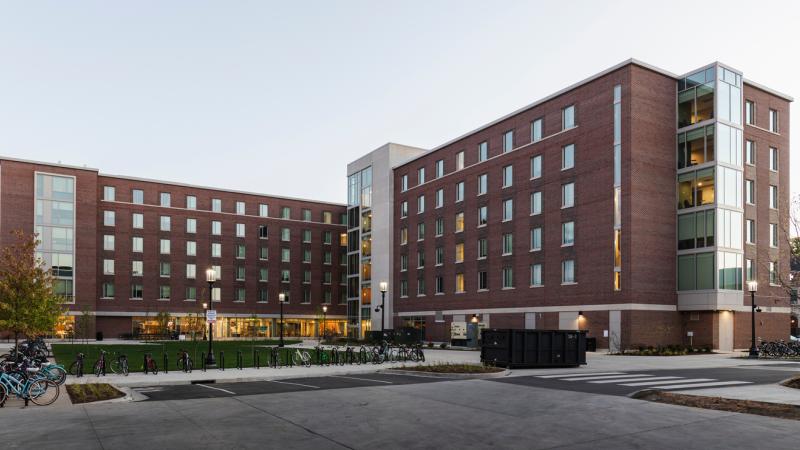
(673, 380)
(656, 383)
(696, 385)
(605, 377)
(578, 373)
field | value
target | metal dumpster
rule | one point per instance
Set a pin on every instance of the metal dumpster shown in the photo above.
(533, 348)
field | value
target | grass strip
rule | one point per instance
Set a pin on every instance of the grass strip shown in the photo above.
(92, 392)
(780, 410)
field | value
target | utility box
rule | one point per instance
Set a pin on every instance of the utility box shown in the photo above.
(533, 348)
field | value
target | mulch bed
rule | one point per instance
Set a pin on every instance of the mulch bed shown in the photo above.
(93, 392)
(780, 410)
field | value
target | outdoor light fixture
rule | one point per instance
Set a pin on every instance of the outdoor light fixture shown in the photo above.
(324, 313)
(281, 299)
(474, 318)
(580, 313)
(752, 286)
(211, 278)
(211, 275)
(384, 286)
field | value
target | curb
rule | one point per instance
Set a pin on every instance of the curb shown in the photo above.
(454, 376)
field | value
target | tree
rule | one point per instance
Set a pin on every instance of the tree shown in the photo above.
(28, 303)
(84, 324)
(791, 232)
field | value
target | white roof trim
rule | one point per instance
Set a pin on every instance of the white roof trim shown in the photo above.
(786, 97)
(42, 163)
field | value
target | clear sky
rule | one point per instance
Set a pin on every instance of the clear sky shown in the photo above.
(276, 97)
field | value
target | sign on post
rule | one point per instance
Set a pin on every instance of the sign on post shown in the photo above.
(458, 330)
(211, 316)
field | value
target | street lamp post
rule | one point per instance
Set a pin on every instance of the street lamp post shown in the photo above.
(384, 286)
(752, 286)
(211, 278)
(281, 298)
(324, 314)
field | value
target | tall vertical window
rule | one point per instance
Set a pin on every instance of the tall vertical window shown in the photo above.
(459, 253)
(137, 221)
(567, 156)
(137, 244)
(306, 215)
(567, 234)
(536, 274)
(773, 120)
(483, 151)
(750, 231)
(773, 272)
(165, 199)
(508, 209)
(108, 242)
(508, 277)
(568, 117)
(483, 280)
(109, 218)
(420, 204)
(508, 141)
(483, 183)
(263, 210)
(403, 209)
(568, 195)
(483, 248)
(773, 197)
(403, 183)
(109, 193)
(773, 235)
(439, 256)
(191, 202)
(216, 205)
(508, 244)
(191, 248)
(239, 230)
(750, 152)
(216, 227)
(108, 267)
(240, 208)
(749, 269)
(536, 167)
(508, 176)
(439, 285)
(164, 246)
(536, 130)
(773, 159)
(191, 226)
(750, 191)
(459, 191)
(216, 250)
(137, 196)
(459, 282)
(439, 226)
(483, 215)
(568, 271)
(439, 198)
(536, 239)
(536, 203)
(439, 169)
(165, 223)
(286, 212)
(749, 112)
(459, 222)
(460, 160)
(285, 234)
(420, 175)
(421, 231)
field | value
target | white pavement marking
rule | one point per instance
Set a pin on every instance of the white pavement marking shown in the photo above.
(361, 379)
(148, 389)
(694, 385)
(606, 377)
(296, 384)
(655, 383)
(216, 388)
(578, 374)
(674, 379)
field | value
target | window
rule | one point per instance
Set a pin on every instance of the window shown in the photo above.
(773, 235)
(773, 197)
(568, 195)
(749, 269)
(306, 235)
(216, 250)
(483, 248)
(327, 217)
(191, 248)
(285, 234)
(568, 271)
(216, 205)
(191, 293)
(750, 191)
(696, 230)
(750, 231)
(459, 282)
(439, 198)
(108, 267)
(137, 268)
(136, 291)
(749, 112)
(420, 176)
(483, 280)
(165, 199)
(263, 274)
(773, 120)
(137, 196)
(508, 176)
(773, 159)
(306, 214)
(403, 183)
(216, 228)
(403, 236)
(191, 271)
(164, 246)
(191, 226)
(750, 152)
(286, 212)
(403, 209)
(567, 234)
(420, 259)
(568, 117)
(508, 243)
(508, 277)
(240, 208)
(536, 167)
(421, 231)
(508, 209)
(285, 276)
(459, 222)
(403, 288)
(773, 273)
(166, 223)
(216, 294)
(439, 226)
(460, 160)
(483, 181)
(164, 269)
(567, 156)
(459, 252)
(240, 251)
(439, 255)
(536, 130)
(263, 210)
(239, 294)
(108, 290)
(439, 285)
(483, 215)
(263, 253)
(163, 292)
(420, 204)
(327, 237)
(137, 221)
(508, 141)
(536, 239)
(240, 273)
(108, 242)
(483, 151)
(191, 202)
(536, 203)
(285, 255)
(137, 244)
(109, 218)
(459, 191)
(439, 168)
(536, 275)
(109, 193)
(403, 263)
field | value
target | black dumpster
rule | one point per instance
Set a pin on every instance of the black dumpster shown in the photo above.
(533, 348)
(591, 344)
(98, 336)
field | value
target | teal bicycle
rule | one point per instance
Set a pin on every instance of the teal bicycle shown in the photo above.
(41, 391)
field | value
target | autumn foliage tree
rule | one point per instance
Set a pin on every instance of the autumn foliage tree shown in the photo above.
(28, 305)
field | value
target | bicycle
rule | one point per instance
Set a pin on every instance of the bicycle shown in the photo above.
(34, 389)
(150, 364)
(323, 357)
(120, 365)
(76, 368)
(100, 364)
(301, 358)
(184, 361)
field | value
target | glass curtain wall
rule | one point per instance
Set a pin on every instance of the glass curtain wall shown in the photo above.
(359, 245)
(54, 223)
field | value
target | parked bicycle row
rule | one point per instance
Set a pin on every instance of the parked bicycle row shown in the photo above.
(779, 349)
(30, 379)
(274, 357)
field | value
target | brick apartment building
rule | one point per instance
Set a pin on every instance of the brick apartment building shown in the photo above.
(126, 249)
(635, 204)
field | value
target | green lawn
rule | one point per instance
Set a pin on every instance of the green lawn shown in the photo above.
(65, 353)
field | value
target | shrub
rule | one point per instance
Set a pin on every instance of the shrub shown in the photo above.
(443, 345)
(430, 344)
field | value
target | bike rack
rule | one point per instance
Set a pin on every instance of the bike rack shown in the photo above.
(239, 360)
(203, 359)
(166, 365)
(256, 359)
(222, 360)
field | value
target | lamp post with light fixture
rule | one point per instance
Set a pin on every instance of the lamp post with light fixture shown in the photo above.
(384, 286)
(281, 299)
(324, 313)
(211, 278)
(752, 286)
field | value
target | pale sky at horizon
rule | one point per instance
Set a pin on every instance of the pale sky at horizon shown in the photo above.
(277, 97)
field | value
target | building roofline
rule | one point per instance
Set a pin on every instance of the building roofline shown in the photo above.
(44, 163)
(761, 87)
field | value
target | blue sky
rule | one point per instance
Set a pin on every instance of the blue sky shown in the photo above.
(278, 97)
